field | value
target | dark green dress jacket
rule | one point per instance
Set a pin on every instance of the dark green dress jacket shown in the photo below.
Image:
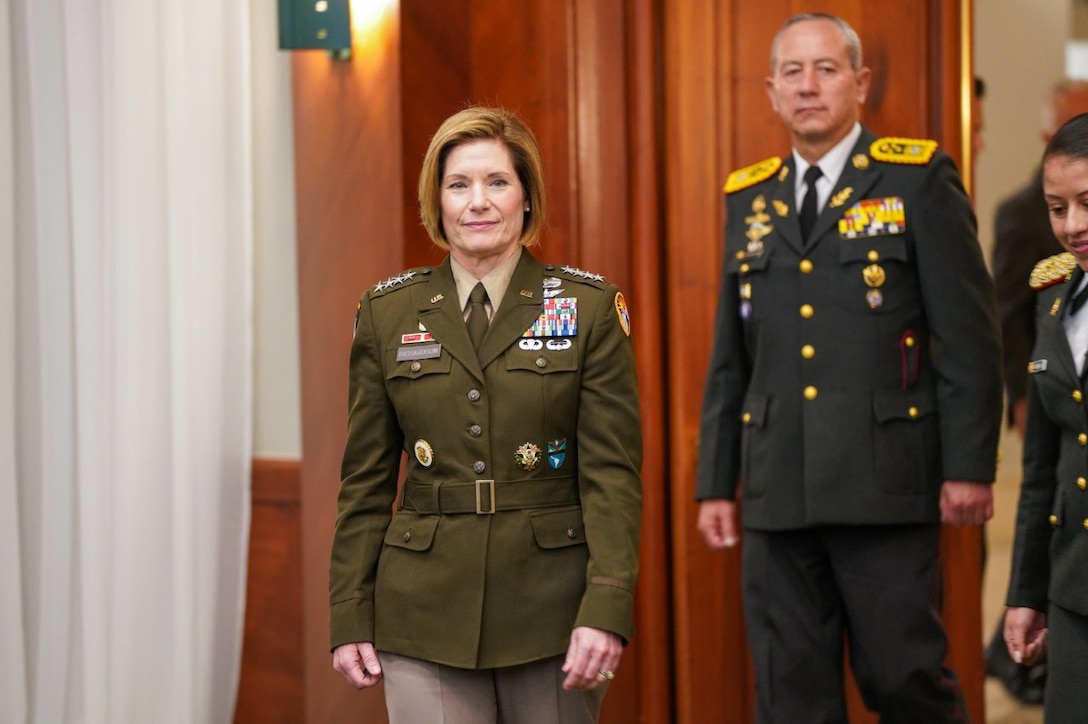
(520, 515)
(853, 374)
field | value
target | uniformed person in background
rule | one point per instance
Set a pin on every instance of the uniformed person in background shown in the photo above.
(853, 397)
(1023, 237)
(1048, 589)
(502, 589)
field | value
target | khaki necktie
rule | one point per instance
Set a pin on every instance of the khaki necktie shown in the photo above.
(477, 315)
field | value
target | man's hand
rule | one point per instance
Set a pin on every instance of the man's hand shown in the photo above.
(966, 502)
(718, 523)
(358, 663)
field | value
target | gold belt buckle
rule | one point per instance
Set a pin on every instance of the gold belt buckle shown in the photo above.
(490, 510)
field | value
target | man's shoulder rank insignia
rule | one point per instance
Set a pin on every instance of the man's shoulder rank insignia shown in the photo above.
(911, 151)
(1053, 269)
(752, 175)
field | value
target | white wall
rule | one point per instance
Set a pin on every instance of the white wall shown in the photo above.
(1019, 52)
(276, 405)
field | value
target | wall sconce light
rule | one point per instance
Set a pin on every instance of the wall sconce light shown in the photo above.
(316, 25)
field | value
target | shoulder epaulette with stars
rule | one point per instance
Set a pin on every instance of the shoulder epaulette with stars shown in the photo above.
(1053, 269)
(911, 151)
(400, 280)
(751, 175)
(582, 275)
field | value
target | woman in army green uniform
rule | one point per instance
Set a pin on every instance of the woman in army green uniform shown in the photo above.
(1048, 590)
(502, 587)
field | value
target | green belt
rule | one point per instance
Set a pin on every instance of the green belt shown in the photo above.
(485, 497)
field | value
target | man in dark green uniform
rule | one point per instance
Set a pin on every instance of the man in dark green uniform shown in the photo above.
(853, 395)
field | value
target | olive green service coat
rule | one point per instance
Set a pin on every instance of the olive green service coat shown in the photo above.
(1050, 552)
(852, 375)
(521, 510)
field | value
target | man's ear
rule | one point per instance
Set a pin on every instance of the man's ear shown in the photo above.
(865, 79)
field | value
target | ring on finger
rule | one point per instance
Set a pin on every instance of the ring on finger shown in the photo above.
(605, 674)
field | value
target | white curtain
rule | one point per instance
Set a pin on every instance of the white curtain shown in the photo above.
(125, 358)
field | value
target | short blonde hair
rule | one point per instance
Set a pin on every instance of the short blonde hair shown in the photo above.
(480, 123)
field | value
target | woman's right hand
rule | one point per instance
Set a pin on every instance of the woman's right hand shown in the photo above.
(358, 663)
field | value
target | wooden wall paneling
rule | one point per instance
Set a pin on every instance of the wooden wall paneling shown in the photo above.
(270, 688)
(646, 298)
(350, 225)
(523, 55)
(711, 670)
(896, 43)
(436, 64)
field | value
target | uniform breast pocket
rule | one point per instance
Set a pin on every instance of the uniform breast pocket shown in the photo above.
(543, 355)
(414, 384)
(877, 274)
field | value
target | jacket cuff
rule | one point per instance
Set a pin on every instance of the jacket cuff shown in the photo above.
(351, 621)
(608, 607)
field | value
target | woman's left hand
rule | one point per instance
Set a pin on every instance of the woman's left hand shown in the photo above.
(592, 658)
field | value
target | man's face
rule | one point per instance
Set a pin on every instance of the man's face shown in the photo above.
(814, 89)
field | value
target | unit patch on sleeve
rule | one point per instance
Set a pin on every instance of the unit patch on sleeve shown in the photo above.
(623, 313)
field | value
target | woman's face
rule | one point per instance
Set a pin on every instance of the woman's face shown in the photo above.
(483, 203)
(1065, 188)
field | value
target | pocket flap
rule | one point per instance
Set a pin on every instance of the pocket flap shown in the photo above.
(903, 405)
(558, 528)
(412, 532)
(755, 410)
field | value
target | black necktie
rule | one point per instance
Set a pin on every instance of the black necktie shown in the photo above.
(808, 205)
(477, 315)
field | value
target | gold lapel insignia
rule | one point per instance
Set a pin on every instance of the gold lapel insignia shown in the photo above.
(526, 293)
(861, 161)
(840, 198)
(437, 298)
(781, 208)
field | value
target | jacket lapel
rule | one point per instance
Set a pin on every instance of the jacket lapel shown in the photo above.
(1054, 327)
(853, 184)
(783, 197)
(440, 313)
(519, 309)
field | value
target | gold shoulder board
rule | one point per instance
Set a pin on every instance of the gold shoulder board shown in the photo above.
(751, 175)
(1052, 270)
(914, 151)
